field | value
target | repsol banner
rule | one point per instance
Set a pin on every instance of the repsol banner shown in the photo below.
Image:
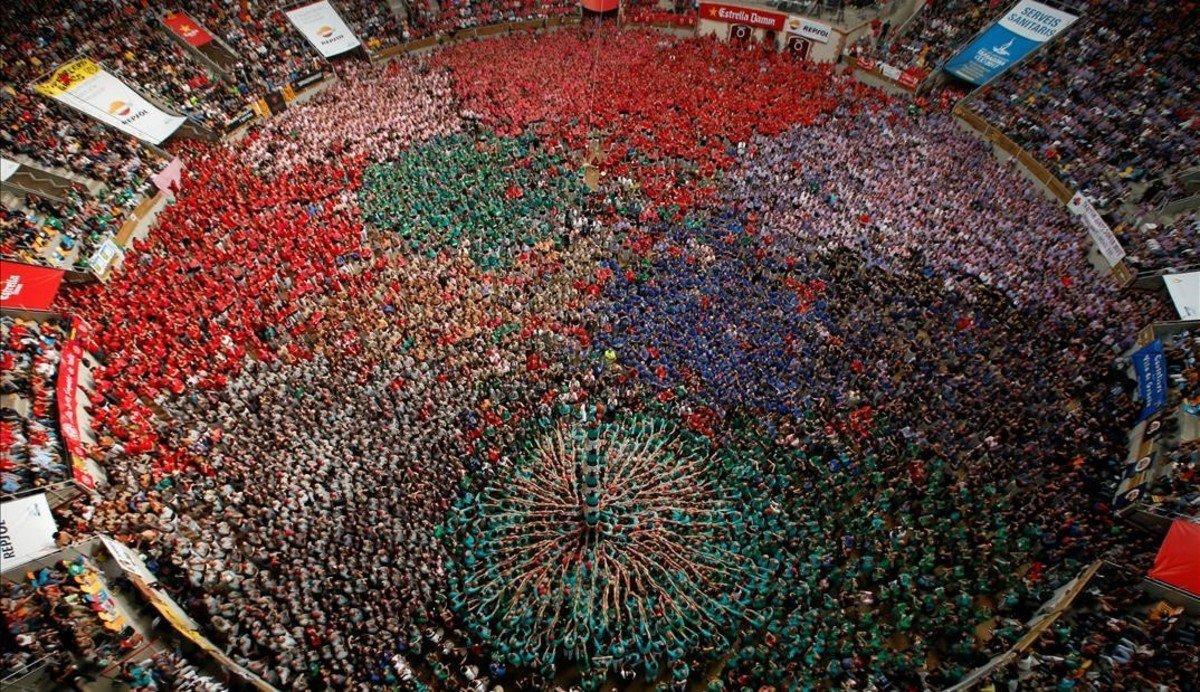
(748, 16)
(26, 530)
(809, 29)
(323, 27)
(88, 88)
(1021, 30)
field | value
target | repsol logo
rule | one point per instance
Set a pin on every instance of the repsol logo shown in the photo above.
(124, 112)
(7, 550)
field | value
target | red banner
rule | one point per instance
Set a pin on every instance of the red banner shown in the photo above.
(733, 14)
(28, 287)
(67, 401)
(68, 388)
(912, 77)
(187, 29)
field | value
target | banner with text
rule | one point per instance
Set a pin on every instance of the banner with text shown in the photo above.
(1021, 30)
(107, 256)
(197, 36)
(734, 14)
(26, 530)
(28, 287)
(323, 27)
(67, 390)
(809, 29)
(1101, 234)
(187, 29)
(88, 88)
(1150, 366)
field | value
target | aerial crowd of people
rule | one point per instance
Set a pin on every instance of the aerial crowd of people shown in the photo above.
(338, 378)
(1111, 107)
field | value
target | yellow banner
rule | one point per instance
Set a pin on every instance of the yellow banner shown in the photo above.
(66, 77)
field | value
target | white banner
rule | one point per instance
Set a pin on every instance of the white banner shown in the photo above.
(104, 256)
(88, 88)
(129, 561)
(1185, 293)
(1035, 21)
(1101, 234)
(26, 530)
(323, 27)
(814, 31)
(7, 168)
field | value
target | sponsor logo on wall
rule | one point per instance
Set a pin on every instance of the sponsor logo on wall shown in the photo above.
(815, 31)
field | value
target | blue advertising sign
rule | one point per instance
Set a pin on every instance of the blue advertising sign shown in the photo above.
(1018, 33)
(1150, 365)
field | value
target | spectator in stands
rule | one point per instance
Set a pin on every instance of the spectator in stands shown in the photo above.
(66, 614)
(936, 31)
(33, 454)
(1112, 106)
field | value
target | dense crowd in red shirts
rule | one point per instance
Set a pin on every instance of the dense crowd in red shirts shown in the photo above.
(576, 87)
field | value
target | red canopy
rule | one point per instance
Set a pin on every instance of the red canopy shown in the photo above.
(1178, 561)
(28, 287)
(600, 5)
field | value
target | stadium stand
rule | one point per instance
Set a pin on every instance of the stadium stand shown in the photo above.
(817, 389)
(33, 451)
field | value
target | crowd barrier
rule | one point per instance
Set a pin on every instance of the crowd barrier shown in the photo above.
(995, 136)
(1121, 274)
(907, 79)
(1058, 604)
(174, 615)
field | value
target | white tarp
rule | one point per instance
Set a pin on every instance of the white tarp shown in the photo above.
(26, 530)
(1185, 293)
(323, 27)
(88, 88)
(1101, 234)
(7, 168)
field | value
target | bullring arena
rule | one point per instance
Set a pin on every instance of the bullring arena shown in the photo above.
(528, 345)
